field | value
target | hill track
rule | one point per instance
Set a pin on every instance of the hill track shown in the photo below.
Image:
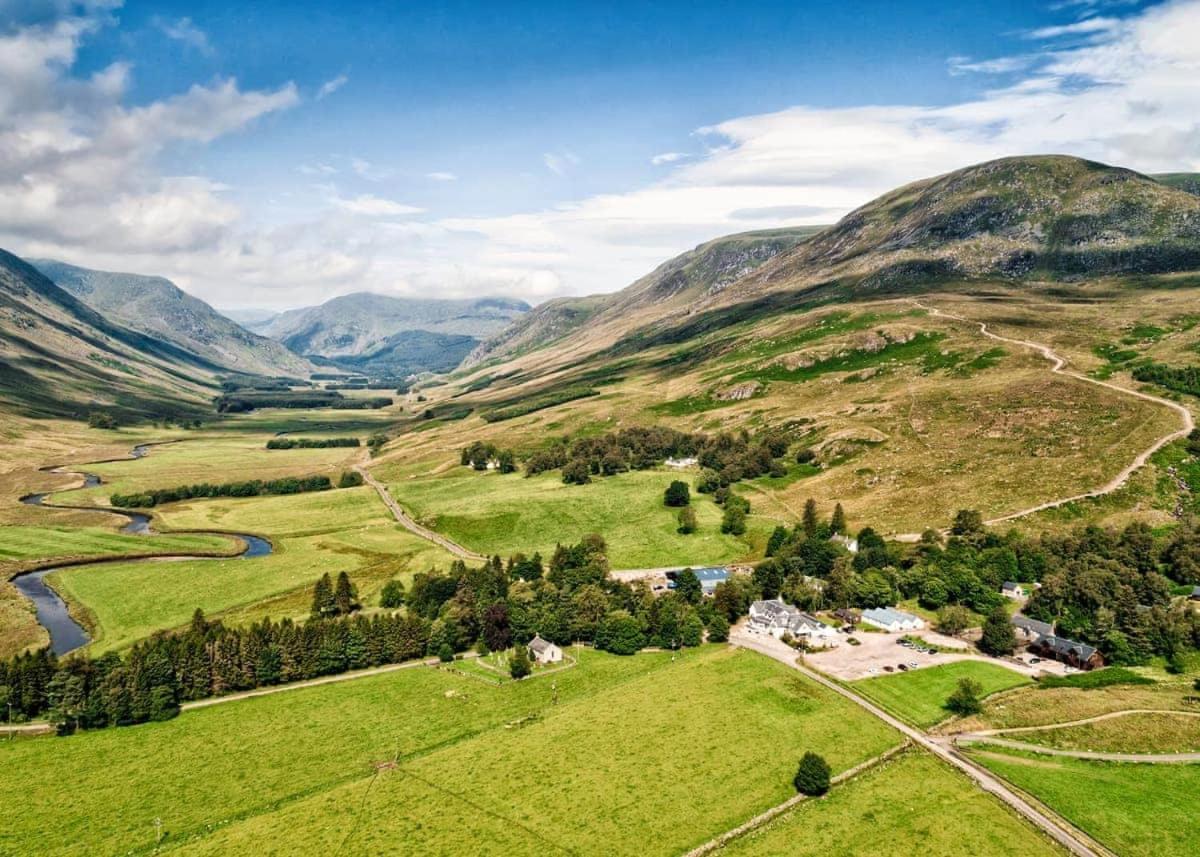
(1059, 367)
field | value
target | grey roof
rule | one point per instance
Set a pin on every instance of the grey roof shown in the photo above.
(715, 573)
(888, 615)
(776, 612)
(1008, 584)
(1195, 592)
(539, 645)
(1033, 626)
(1063, 646)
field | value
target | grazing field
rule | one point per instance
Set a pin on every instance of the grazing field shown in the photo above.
(886, 811)
(1133, 809)
(493, 513)
(344, 530)
(619, 760)
(918, 696)
(26, 543)
(1131, 733)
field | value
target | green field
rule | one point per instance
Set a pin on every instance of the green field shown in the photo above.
(913, 803)
(493, 513)
(1132, 809)
(24, 543)
(1133, 733)
(620, 760)
(918, 695)
(344, 530)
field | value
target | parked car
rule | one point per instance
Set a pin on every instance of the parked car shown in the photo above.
(912, 665)
(889, 669)
(901, 667)
(1035, 660)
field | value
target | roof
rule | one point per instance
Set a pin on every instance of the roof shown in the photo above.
(1033, 626)
(791, 618)
(1063, 646)
(715, 573)
(1008, 584)
(888, 616)
(538, 645)
(1196, 591)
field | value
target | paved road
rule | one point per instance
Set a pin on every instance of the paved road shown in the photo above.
(412, 526)
(1058, 367)
(1058, 830)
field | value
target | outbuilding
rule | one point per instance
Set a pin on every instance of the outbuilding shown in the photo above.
(543, 651)
(1072, 653)
(1030, 629)
(892, 620)
(710, 577)
(1011, 589)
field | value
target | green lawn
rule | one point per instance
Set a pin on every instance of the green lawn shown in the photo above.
(344, 530)
(913, 803)
(494, 513)
(1133, 809)
(918, 695)
(615, 766)
(24, 543)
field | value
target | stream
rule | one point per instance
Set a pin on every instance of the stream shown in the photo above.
(66, 634)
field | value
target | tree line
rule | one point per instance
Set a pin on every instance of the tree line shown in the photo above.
(311, 443)
(248, 488)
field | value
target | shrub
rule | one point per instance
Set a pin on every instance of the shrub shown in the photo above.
(350, 479)
(677, 494)
(518, 665)
(687, 521)
(964, 700)
(813, 775)
(392, 595)
(576, 472)
(445, 653)
(101, 420)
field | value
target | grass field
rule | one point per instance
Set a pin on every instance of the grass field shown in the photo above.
(343, 530)
(1133, 733)
(1133, 809)
(24, 543)
(619, 760)
(918, 695)
(908, 804)
(494, 513)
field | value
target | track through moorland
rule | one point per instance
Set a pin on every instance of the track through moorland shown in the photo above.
(1059, 367)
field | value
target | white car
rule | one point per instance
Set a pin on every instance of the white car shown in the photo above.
(912, 665)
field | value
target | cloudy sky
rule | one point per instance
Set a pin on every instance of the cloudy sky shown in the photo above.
(274, 155)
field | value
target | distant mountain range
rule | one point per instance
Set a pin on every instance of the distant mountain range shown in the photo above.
(392, 335)
(156, 306)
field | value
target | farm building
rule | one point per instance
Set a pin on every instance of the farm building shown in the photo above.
(680, 462)
(710, 577)
(848, 615)
(1073, 654)
(776, 618)
(1030, 629)
(1009, 589)
(850, 544)
(543, 651)
(891, 619)
(1195, 594)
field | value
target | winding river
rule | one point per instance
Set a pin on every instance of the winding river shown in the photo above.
(66, 634)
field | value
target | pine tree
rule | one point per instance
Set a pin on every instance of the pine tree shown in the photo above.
(345, 598)
(812, 777)
(811, 521)
(323, 603)
(838, 523)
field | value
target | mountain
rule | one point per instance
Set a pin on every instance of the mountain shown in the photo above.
(390, 335)
(251, 319)
(1189, 182)
(61, 358)
(158, 307)
(699, 273)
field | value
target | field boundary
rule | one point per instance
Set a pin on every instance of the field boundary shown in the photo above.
(779, 809)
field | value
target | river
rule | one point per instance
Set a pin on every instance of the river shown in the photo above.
(66, 634)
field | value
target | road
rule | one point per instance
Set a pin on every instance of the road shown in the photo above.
(1058, 367)
(1058, 830)
(412, 526)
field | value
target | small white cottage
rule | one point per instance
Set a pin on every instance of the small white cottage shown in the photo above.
(543, 651)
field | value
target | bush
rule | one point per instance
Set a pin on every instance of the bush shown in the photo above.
(350, 479)
(518, 665)
(576, 472)
(718, 629)
(101, 420)
(965, 700)
(813, 775)
(445, 653)
(677, 494)
(392, 595)
(687, 521)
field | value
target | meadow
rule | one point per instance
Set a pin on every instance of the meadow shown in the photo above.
(442, 762)
(1132, 809)
(913, 798)
(918, 696)
(1133, 733)
(347, 529)
(505, 514)
(25, 543)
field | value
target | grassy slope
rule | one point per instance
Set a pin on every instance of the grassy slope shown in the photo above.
(918, 695)
(22, 543)
(619, 760)
(346, 529)
(889, 809)
(1135, 733)
(503, 514)
(1133, 809)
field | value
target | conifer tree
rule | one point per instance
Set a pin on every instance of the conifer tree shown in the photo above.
(838, 523)
(345, 597)
(323, 603)
(811, 521)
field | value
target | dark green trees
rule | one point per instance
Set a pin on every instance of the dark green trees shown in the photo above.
(688, 587)
(677, 494)
(518, 665)
(392, 595)
(998, 637)
(733, 521)
(812, 777)
(837, 524)
(329, 601)
(965, 700)
(576, 472)
(350, 479)
(810, 519)
(620, 634)
(345, 596)
(687, 521)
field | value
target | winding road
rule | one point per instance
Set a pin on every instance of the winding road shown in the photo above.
(1056, 828)
(1058, 367)
(412, 526)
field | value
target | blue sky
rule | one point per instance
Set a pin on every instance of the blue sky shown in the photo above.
(281, 153)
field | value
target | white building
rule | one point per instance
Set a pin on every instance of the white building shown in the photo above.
(680, 462)
(776, 618)
(850, 544)
(891, 619)
(1016, 591)
(543, 651)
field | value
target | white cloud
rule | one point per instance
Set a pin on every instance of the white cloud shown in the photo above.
(667, 158)
(999, 65)
(375, 206)
(441, 176)
(331, 86)
(560, 163)
(185, 31)
(1088, 26)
